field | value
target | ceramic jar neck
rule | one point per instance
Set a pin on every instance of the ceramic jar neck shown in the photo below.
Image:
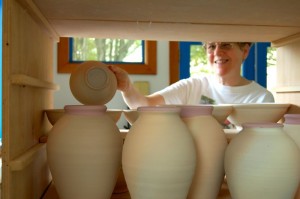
(192, 111)
(292, 118)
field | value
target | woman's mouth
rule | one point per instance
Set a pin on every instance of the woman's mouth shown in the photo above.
(221, 61)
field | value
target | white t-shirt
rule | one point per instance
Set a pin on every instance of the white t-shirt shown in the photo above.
(206, 90)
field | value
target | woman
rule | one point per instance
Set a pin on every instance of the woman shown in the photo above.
(226, 86)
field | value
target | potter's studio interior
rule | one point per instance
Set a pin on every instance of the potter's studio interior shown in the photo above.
(152, 99)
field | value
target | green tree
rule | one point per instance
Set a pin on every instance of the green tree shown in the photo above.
(109, 50)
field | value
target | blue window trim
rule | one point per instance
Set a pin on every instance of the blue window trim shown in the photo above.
(254, 67)
(71, 40)
(184, 60)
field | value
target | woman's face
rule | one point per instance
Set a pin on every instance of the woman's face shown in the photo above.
(226, 58)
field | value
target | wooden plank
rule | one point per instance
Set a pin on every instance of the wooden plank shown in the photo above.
(25, 80)
(286, 40)
(27, 49)
(40, 18)
(25, 159)
(52, 193)
(287, 89)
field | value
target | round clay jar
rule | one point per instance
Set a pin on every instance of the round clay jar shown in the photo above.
(93, 83)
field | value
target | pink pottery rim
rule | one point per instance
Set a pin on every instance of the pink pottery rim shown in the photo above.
(292, 118)
(158, 109)
(193, 110)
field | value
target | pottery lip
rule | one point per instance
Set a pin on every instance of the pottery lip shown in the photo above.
(292, 118)
(55, 114)
(69, 108)
(195, 110)
(257, 112)
(222, 111)
(131, 115)
(159, 108)
(262, 125)
(261, 105)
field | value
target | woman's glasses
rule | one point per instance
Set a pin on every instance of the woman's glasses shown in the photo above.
(211, 47)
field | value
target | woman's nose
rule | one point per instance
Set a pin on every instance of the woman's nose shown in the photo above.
(218, 50)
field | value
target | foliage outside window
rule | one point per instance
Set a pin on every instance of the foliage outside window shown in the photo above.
(198, 62)
(107, 50)
(146, 66)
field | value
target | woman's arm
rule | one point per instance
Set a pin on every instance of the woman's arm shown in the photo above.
(132, 97)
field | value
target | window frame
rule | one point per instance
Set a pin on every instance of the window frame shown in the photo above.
(149, 67)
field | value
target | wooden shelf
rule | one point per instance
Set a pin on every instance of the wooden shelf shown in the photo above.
(288, 89)
(52, 194)
(25, 80)
(36, 14)
(25, 159)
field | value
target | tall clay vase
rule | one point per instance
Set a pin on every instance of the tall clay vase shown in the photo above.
(211, 143)
(84, 150)
(262, 161)
(159, 156)
(292, 128)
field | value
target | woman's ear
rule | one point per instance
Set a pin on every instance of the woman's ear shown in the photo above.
(246, 50)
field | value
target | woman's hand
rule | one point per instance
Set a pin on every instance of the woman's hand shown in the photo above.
(122, 78)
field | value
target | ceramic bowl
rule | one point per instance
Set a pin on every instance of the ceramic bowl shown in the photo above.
(93, 83)
(252, 113)
(221, 112)
(131, 115)
(55, 114)
(115, 114)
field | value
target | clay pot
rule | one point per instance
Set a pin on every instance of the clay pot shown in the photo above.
(292, 128)
(84, 151)
(210, 143)
(93, 83)
(262, 161)
(159, 156)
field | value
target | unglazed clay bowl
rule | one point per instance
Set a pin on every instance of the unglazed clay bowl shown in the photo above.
(93, 83)
(254, 113)
(131, 115)
(115, 114)
(55, 114)
(221, 112)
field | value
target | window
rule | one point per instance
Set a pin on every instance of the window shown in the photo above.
(147, 67)
(188, 59)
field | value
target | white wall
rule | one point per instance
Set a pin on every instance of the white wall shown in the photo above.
(64, 96)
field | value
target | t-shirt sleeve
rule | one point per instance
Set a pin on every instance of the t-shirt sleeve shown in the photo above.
(185, 91)
(268, 98)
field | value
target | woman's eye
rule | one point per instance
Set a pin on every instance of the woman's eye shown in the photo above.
(226, 45)
(211, 46)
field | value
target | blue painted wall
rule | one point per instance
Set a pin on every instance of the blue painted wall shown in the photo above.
(1, 69)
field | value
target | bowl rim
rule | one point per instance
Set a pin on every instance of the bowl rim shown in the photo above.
(260, 105)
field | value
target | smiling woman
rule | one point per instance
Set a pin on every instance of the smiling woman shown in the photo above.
(66, 65)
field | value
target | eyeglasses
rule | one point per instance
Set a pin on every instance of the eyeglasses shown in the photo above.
(211, 47)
